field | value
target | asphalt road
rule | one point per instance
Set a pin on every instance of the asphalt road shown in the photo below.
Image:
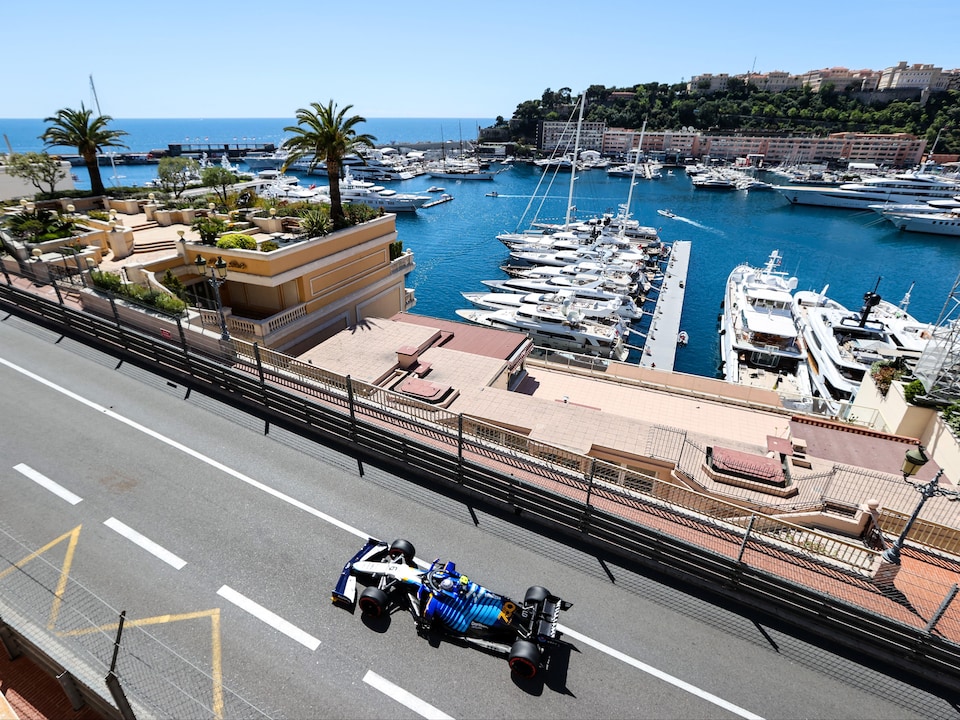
(188, 510)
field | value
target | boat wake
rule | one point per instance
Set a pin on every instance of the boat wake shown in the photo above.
(699, 225)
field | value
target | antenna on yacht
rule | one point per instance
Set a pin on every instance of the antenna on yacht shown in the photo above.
(906, 297)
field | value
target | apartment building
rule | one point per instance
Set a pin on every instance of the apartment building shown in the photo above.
(557, 137)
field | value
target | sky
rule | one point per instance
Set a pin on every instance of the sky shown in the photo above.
(218, 59)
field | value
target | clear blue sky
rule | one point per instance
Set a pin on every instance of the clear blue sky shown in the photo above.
(212, 58)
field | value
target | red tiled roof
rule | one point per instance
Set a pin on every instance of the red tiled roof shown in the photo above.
(465, 337)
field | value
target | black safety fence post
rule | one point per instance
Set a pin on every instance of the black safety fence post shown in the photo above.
(943, 608)
(353, 414)
(113, 682)
(460, 448)
(746, 537)
(585, 518)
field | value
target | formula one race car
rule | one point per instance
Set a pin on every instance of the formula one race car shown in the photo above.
(442, 599)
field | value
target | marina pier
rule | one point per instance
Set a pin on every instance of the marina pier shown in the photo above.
(660, 347)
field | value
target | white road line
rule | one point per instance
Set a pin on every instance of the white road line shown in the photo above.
(412, 702)
(271, 619)
(354, 531)
(45, 482)
(189, 451)
(650, 670)
(146, 543)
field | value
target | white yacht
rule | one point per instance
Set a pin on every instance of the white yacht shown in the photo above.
(944, 222)
(550, 327)
(376, 196)
(842, 345)
(760, 345)
(611, 308)
(586, 286)
(911, 187)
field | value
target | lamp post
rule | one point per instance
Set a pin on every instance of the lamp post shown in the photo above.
(915, 459)
(216, 277)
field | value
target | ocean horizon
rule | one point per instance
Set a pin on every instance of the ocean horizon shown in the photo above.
(144, 135)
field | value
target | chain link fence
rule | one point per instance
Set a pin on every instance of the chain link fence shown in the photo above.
(79, 629)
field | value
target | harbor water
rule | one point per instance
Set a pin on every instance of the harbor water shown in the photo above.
(456, 248)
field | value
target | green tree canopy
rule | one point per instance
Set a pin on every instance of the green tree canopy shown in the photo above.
(88, 134)
(41, 170)
(324, 133)
(175, 173)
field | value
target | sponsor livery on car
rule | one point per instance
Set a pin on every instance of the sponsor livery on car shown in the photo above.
(443, 600)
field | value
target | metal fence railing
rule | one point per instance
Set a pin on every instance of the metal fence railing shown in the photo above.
(644, 512)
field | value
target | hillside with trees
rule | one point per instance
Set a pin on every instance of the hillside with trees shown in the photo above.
(746, 109)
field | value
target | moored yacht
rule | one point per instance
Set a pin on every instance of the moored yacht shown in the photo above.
(911, 187)
(842, 345)
(610, 309)
(944, 222)
(760, 345)
(550, 327)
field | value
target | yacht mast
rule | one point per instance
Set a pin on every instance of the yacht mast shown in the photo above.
(633, 181)
(576, 150)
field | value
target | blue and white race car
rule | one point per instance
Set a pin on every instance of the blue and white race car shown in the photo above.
(442, 599)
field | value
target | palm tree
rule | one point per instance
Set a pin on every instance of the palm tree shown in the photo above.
(77, 128)
(324, 133)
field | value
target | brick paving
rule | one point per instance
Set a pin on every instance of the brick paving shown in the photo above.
(27, 692)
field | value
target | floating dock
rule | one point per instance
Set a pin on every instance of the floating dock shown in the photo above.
(442, 199)
(660, 347)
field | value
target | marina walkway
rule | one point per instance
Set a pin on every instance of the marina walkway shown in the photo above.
(660, 348)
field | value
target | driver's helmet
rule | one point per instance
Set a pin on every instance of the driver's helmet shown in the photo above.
(447, 583)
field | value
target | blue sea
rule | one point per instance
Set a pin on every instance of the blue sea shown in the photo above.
(456, 248)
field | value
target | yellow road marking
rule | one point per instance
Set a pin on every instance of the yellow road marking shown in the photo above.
(213, 614)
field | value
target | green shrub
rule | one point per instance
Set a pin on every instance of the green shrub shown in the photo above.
(101, 215)
(173, 284)
(106, 281)
(396, 249)
(912, 389)
(238, 241)
(268, 246)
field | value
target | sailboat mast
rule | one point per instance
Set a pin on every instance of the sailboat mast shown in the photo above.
(576, 151)
(633, 181)
(93, 89)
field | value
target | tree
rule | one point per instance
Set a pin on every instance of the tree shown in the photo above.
(323, 133)
(88, 134)
(220, 179)
(175, 173)
(39, 169)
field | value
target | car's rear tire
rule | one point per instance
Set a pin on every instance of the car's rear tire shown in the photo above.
(535, 594)
(405, 549)
(524, 659)
(373, 602)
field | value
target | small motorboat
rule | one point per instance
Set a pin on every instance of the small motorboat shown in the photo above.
(682, 338)
(434, 188)
(493, 194)
(666, 213)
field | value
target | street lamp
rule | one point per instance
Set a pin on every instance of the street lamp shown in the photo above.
(216, 277)
(915, 459)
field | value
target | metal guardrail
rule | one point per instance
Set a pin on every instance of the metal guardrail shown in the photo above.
(627, 513)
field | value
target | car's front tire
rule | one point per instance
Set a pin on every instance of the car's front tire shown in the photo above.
(373, 602)
(403, 548)
(524, 659)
